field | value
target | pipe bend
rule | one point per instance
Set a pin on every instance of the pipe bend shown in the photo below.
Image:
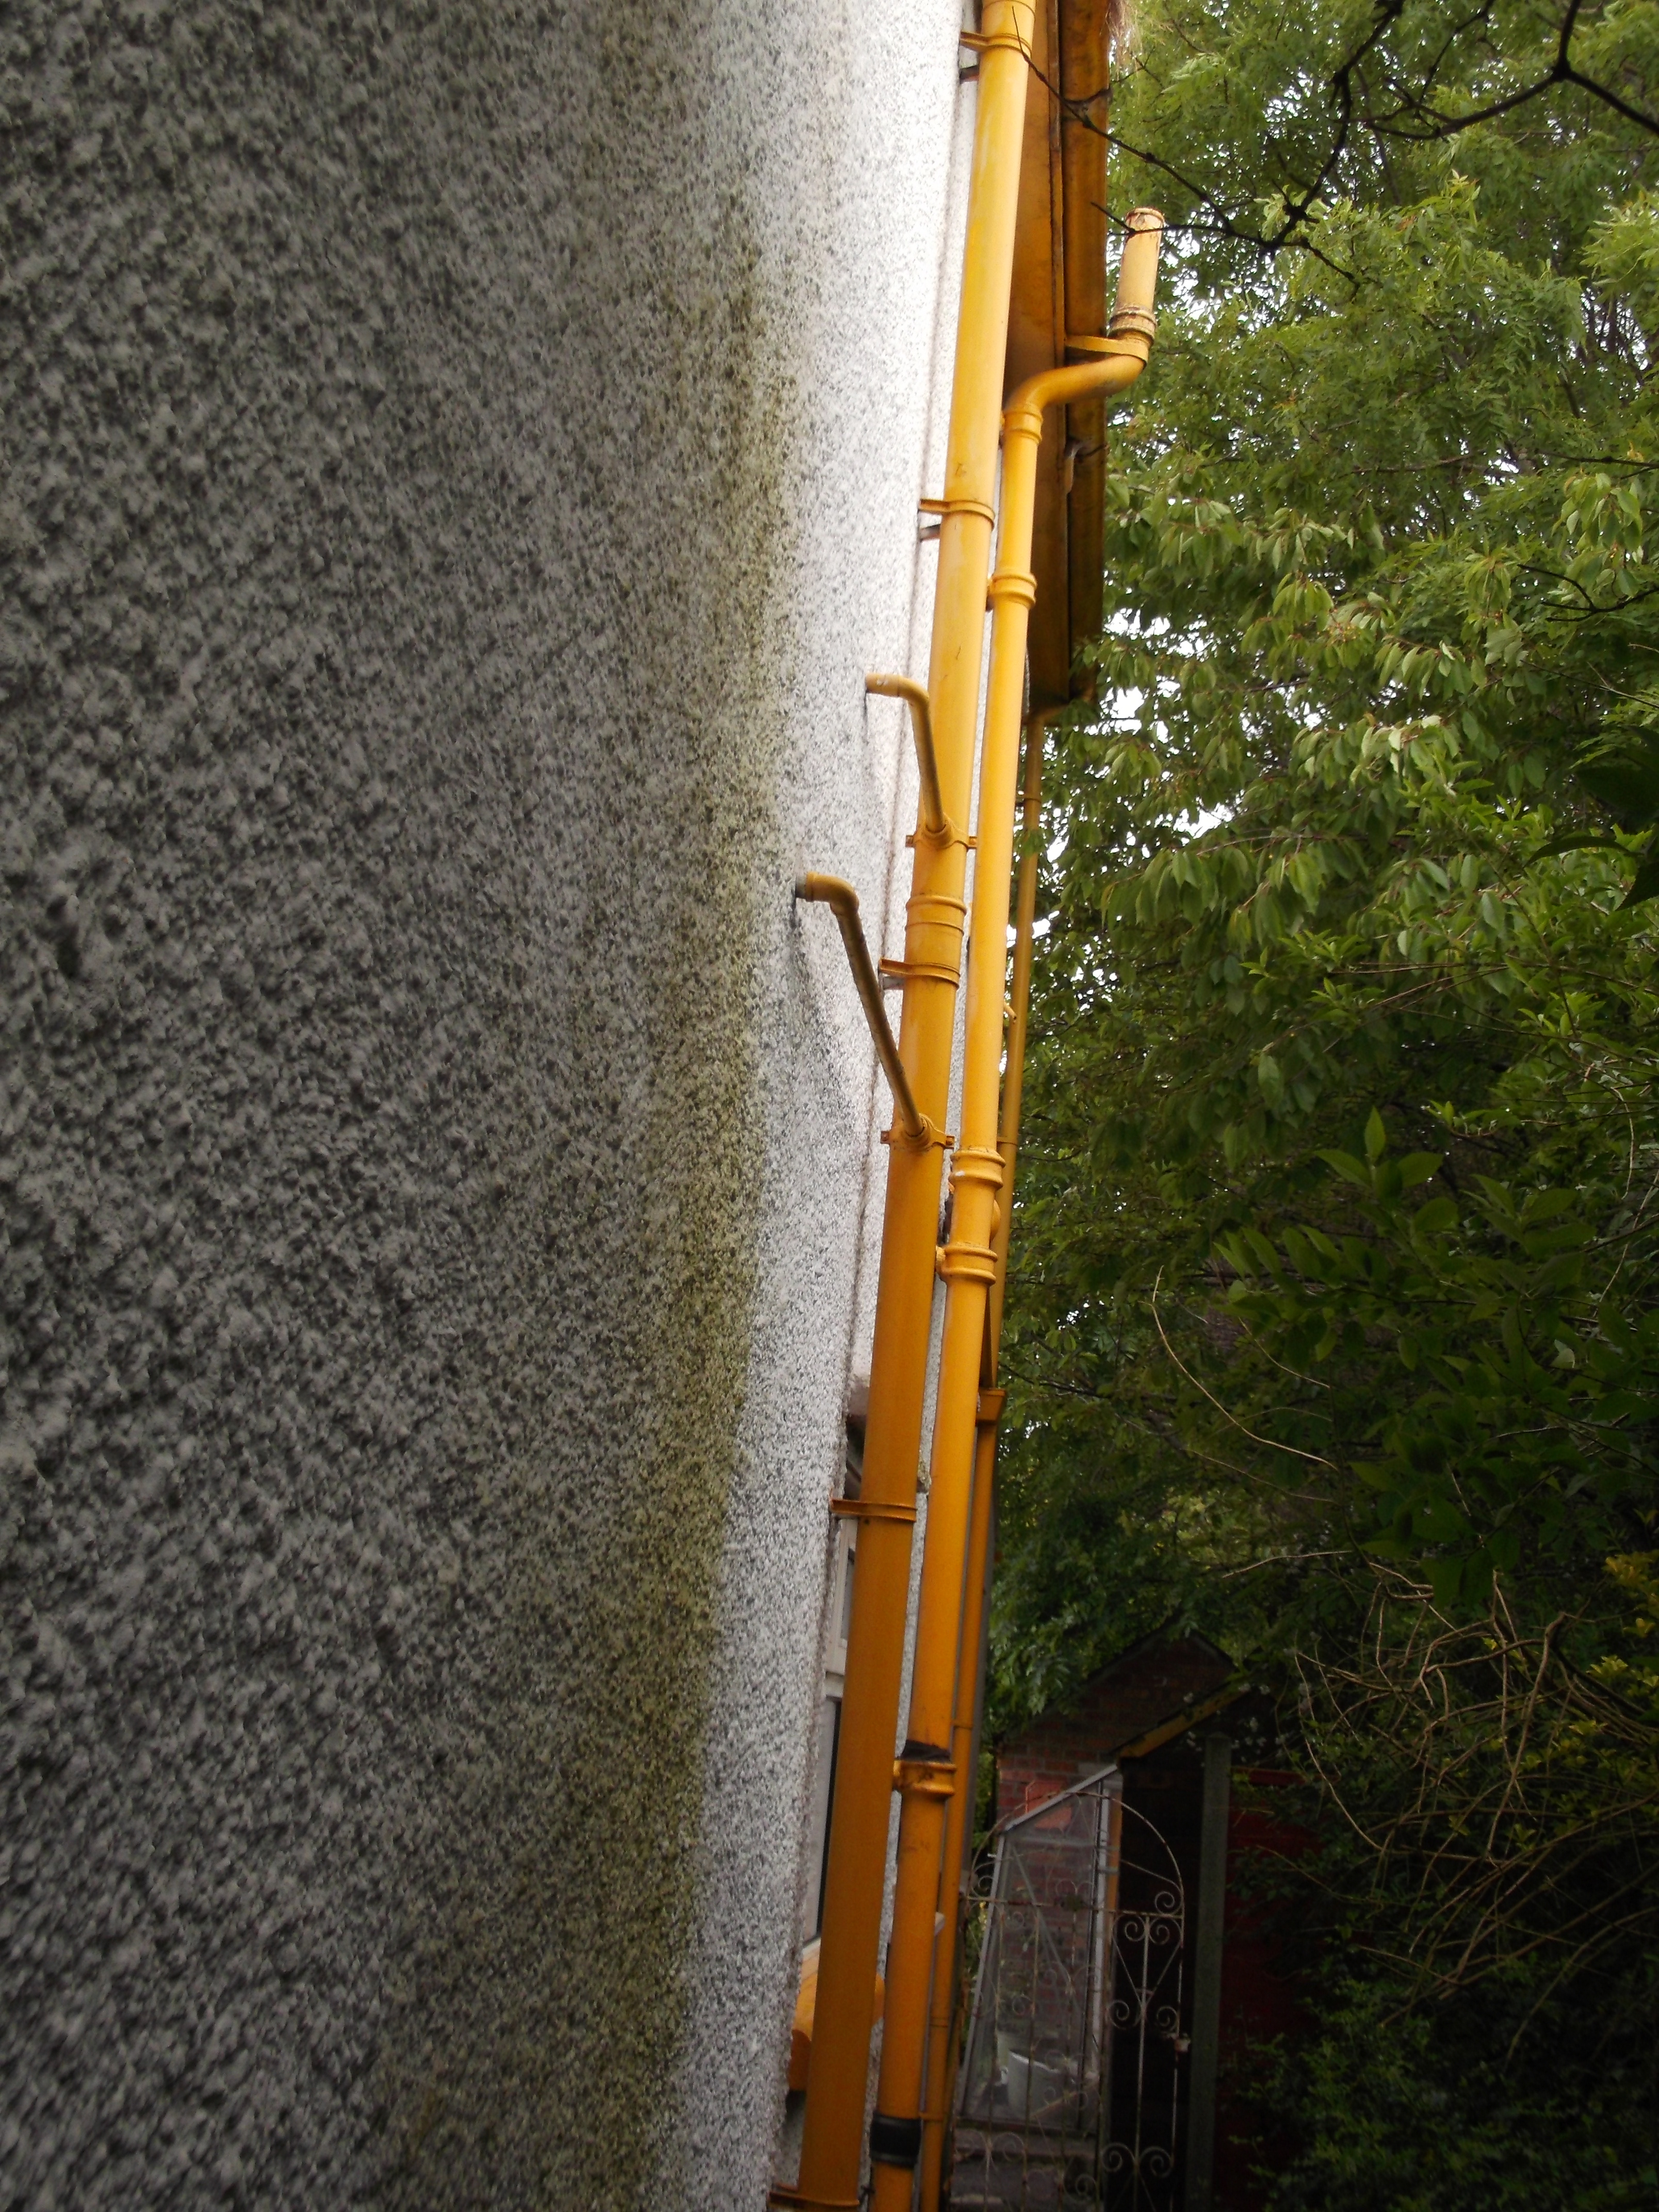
(1110, 372)
(843, 901)
(1122, 354)
(934, 820)
(833, 891)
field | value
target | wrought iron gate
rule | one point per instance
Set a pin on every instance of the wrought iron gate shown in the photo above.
(1070, 2083)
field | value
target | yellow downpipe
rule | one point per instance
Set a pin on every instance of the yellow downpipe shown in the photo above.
(832, 2138)
(1019, 1011)
(941, 2070)
(941, 2075)
(926, 1773)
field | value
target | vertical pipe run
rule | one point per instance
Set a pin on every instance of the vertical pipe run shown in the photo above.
(968, 1263)
(941, 2073)
(942, 2002)
(832, 2146)
(1020, 1003)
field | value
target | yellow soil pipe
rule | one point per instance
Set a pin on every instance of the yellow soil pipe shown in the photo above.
(940, 2076)
(933, 818)
(925, 1773)
(833, 2127)
(1019, 1010)
(941, 2072)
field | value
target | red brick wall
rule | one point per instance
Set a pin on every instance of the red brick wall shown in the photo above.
(1147, 1685)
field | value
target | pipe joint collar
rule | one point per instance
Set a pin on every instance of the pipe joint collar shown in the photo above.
(977, 1163)
(966, 1263)
(937, 910)
(1016, 584)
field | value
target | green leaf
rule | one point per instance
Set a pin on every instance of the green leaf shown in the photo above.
(1377, 1141)
(1346, 1164)
(1631, 1406)
(1418, 1167)
(1628, 787)
(1445, 1580)
(1579, 841)
(1645, 883)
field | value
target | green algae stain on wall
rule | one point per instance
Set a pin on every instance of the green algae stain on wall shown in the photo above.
(542, 1994)
(393, 702)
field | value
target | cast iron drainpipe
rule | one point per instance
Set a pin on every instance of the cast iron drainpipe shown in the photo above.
(842, 901)
(925, 1774)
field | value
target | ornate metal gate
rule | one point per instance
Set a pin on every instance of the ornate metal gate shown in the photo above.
(1070, 2085)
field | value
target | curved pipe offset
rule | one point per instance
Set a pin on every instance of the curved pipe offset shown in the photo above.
(927, 1778)
(934, 821)
(842, 901)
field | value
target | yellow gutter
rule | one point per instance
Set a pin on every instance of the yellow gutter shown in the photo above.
(837, 2077)
(925, 1773)
(941, 2071)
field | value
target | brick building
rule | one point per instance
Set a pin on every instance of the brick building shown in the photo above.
(1198, 1753)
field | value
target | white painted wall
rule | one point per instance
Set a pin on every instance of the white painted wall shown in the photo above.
(457, 462)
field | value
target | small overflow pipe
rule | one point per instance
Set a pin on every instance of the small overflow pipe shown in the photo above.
(914, 695)
(842, 901)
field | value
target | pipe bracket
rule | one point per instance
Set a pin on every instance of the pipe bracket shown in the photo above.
(980, 42)
(903, 970)
(948, 834)
(981, 508)
(919, 1140)
(872, 1509)
(923, 1777)
(783, 2192)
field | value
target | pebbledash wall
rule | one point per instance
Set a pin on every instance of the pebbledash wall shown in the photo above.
(460, 461)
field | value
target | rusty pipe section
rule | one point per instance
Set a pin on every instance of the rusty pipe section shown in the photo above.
(843, 901)
(933, 818)
(927, 1777)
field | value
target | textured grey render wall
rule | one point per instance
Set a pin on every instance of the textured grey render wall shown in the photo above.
(458, 465)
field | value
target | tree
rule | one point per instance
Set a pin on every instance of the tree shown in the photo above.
(1335, 1262)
